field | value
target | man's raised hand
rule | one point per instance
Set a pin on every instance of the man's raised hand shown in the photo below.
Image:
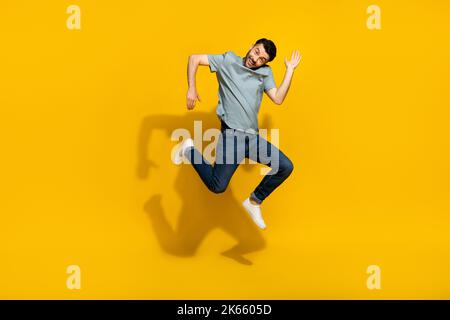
(295, 60)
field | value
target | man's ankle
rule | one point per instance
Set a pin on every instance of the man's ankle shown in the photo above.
(253, 200)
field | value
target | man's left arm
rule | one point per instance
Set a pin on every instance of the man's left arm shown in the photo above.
(278, 95)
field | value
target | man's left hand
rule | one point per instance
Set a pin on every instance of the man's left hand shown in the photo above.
(295, 60)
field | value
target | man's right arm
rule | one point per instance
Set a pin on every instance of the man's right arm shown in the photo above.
(194, 61)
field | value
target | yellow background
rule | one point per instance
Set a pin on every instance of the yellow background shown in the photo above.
(365, 123)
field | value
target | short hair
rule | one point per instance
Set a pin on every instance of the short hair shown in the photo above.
(269, 46)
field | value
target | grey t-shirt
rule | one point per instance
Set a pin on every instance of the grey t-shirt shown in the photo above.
(240, 90)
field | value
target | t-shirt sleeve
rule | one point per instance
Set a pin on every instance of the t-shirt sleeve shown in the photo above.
(215, 60)
(269, 81)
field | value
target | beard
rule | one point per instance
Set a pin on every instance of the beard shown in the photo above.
(247, 60)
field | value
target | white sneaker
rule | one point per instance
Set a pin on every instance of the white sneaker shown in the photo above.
(178, 154)
(255, 213)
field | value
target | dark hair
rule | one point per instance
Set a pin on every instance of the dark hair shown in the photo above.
(269, 46)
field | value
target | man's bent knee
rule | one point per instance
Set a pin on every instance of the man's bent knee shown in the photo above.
(287, 167)
(218, 188)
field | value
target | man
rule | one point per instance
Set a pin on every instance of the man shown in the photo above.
(242, 80)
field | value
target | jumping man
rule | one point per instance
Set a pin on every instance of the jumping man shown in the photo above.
(242, 81)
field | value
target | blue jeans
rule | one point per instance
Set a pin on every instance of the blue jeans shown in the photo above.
(232, 147)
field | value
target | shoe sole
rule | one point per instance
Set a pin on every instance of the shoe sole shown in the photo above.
(177, 159)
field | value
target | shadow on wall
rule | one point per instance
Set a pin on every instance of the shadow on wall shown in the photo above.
(202, 210)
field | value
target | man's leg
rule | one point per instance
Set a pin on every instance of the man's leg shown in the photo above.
(217, 177)
(266, 153)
